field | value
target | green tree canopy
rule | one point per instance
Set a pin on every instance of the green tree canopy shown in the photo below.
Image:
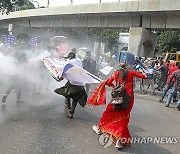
(7, 6)
(168, 41)
(108, 36)
(26, 4)
(104, 35)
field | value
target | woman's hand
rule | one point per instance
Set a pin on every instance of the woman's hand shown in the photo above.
(58, 79)
(144, 74)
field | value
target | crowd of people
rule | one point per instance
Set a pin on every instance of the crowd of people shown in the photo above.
(161, 76)
(114, 121)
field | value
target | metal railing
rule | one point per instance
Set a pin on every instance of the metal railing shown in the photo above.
(98, 1)
(74, 2)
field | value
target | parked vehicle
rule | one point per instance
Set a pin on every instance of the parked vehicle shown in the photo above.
(172, 57)
(127, 57)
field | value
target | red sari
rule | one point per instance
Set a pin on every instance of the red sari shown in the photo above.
(114, 122)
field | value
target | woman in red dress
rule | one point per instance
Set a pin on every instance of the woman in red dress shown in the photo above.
(114, 123)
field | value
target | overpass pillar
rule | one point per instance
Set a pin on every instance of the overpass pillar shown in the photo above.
(142, 42)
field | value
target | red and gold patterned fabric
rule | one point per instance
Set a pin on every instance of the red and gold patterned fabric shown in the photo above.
(98, 97)
(115, 122)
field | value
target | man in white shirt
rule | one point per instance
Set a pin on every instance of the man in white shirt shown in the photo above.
(73, 90)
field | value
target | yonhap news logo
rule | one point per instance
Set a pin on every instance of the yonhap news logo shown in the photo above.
(154, 140)
(105, 140)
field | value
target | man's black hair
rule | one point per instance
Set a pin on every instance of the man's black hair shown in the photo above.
(71, 55)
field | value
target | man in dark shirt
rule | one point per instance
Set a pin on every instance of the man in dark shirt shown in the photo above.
(168, 84)
(176, 87)
(89, 65)
(163, 77)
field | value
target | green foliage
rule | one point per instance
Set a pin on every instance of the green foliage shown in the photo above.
(26, 4)
(5, 6)
(108, 36)
(26, 7)
(104, 35)
(168, 41)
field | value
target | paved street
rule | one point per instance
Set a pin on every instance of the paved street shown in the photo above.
(39, 125)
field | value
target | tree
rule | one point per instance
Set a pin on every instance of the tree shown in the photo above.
(48, 3)
(26, 4)
(7, 6)
(168, 41)
(104, 35)
(108, 36)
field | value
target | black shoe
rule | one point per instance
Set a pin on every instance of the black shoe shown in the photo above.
(167, 105)
(175, 100)
(178, 107)
(4, 98)
(70, 115)
(153, 93)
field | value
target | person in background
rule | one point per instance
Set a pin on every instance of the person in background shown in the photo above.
(178, 103)
(72, 90)
(16, 80)
(150, 76)
(89, 65)
(74, 50)
(163, 75)
(175, 88)
(169, 84)
(168, 64)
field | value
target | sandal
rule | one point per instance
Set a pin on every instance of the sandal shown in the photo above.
(96, 129)
(118, 145)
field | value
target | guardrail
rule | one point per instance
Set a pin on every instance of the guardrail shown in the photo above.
(76, 2)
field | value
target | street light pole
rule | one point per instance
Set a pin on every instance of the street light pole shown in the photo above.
(48, 3)
(99, 1)
(71, 3)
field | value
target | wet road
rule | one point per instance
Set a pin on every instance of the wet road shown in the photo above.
(39, 125)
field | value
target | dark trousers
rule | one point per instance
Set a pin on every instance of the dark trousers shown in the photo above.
(73, 106)
(161, 82)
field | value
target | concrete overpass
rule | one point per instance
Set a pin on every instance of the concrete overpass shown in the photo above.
(144, 13)
(139, 15)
